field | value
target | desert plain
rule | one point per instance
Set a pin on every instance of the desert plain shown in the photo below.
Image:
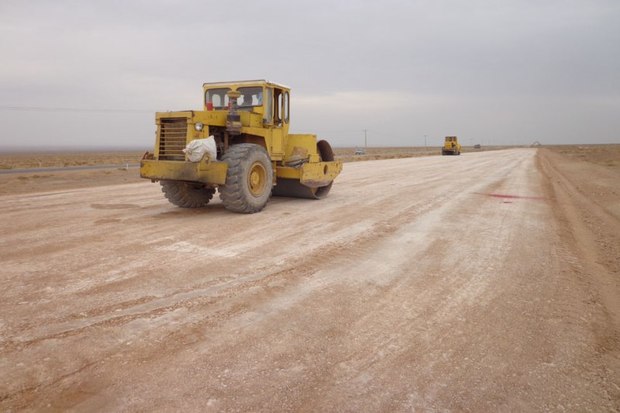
(488, 281)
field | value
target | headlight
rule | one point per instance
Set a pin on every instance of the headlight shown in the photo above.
(198, 126)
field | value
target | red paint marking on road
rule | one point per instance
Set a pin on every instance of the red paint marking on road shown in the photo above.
(506, 196)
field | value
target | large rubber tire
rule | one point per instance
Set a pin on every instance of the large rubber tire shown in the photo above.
(187, 194)
(249, 178)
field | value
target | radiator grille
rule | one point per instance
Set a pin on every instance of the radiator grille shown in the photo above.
(172, 138)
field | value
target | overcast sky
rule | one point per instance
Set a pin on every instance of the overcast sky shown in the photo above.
(92, 73)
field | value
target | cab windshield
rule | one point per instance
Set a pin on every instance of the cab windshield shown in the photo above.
(250, 96)
(217, 98)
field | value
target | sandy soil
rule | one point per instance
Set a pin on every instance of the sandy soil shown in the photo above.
(19, 160)
(26, 183)
(485, 282)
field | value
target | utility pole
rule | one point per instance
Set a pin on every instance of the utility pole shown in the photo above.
(424, 141)
(365, 138)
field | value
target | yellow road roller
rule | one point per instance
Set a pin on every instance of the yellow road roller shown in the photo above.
(451, 146)
(239, 144)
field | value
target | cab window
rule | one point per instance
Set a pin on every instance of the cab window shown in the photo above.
(268, 116)
(277, 107)
(285, 107)
(250, 97)
(217, 98)
(280, 107)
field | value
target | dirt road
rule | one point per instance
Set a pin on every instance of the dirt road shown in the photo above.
(468, 283)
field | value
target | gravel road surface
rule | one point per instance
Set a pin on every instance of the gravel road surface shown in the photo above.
(469, 283)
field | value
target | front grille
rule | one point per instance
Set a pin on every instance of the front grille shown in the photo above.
(173, 132)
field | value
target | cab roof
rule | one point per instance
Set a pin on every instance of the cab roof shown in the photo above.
(245, 82)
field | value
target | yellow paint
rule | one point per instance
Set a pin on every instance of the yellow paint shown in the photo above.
(208, 173)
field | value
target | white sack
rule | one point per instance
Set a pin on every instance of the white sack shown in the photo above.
(197, 148)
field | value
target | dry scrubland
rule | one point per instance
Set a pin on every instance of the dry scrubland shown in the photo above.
(22, 160)
(485, 282)
(604, 155)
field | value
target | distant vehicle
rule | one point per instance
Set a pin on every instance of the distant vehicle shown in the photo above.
(360, 151)
(451, 146)
(477, 146)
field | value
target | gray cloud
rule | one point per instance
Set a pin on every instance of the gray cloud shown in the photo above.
(497, 72)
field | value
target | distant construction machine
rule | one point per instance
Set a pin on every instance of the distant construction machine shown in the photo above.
(451, 146)
(240, 145)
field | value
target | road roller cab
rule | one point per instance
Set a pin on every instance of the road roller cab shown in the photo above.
(238, 144)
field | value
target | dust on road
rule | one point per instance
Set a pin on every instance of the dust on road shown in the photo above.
(412, 286)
